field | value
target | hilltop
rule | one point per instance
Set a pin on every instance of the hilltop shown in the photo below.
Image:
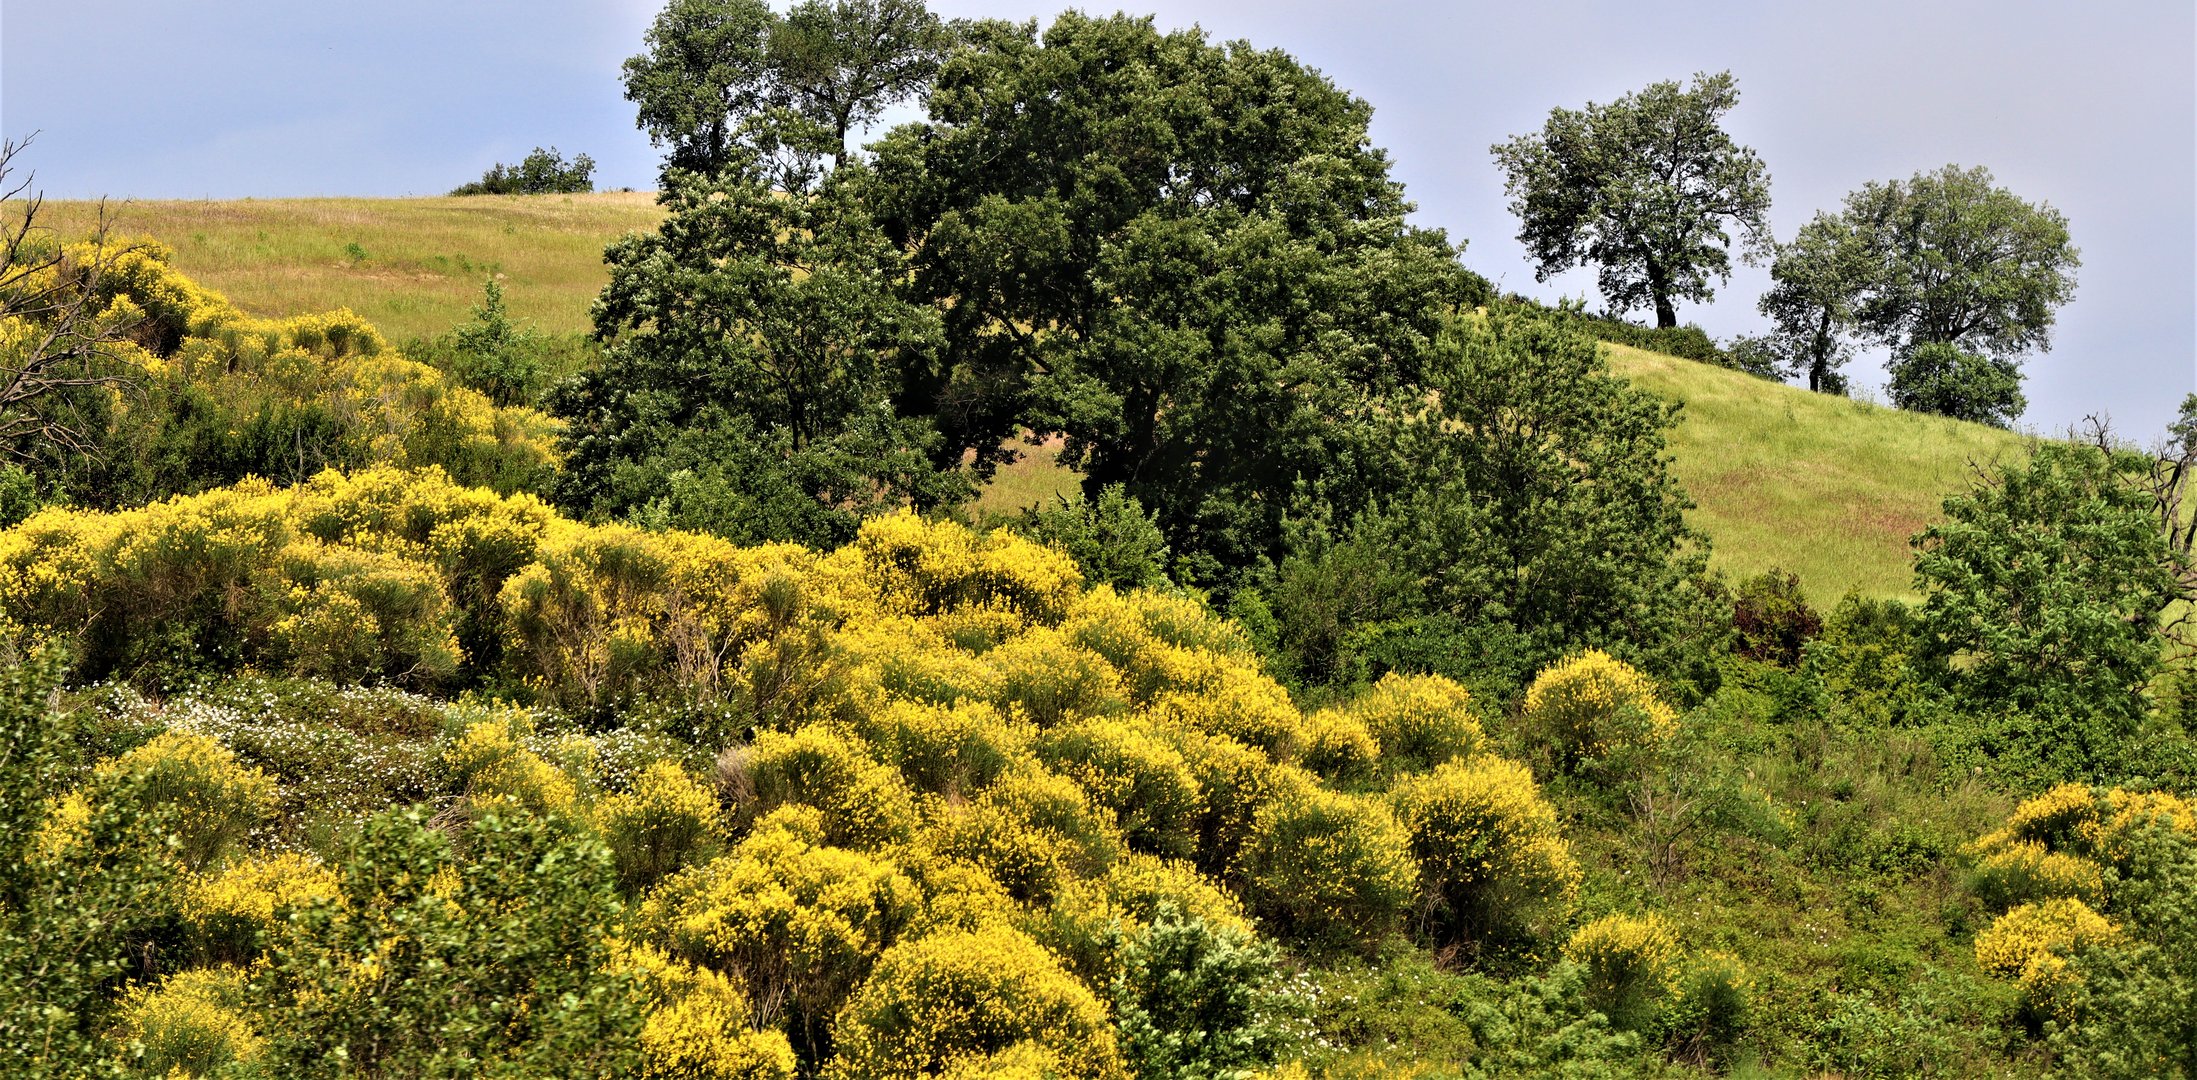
(1827, 487)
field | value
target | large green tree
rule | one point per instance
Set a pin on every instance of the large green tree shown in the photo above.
(1649, 188)
(1956, 276)
(1186, 258)
(843, 62)
(752, 350)
(704, 82)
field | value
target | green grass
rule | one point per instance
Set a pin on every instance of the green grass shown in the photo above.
(1826, 487)
(412, 267)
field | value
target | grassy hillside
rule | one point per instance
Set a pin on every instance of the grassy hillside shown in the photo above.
(1826, 487)
(423, 259)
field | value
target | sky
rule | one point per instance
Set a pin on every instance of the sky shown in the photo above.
(2090, 107)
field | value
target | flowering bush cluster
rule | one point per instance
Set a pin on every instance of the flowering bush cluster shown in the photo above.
(2050, 872)
(951, 796)
(1599, 713)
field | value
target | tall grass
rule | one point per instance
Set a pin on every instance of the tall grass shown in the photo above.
(412, 267)
(1827, 487)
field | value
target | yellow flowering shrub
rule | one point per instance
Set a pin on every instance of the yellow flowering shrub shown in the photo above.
(198, 791)
(697, 1025)
(1022, 1061)
(1047, 679)
(2033, 944)
(1234, 699)
(1329, 869)
(1157, 642)
(1130, 772)
(1492, 859)
(863, 804)
(1337, 745)
(2026, 870)
(233, 911)
(2073, 820)
(1235, 781)
(937, 569)
(909, 659)
(388, 409)
(493, 761)
(1418, 721)
(1630, 963)
(668, 820)
(1594, 710)
(190, 1024)
(935, 1002)
(797, 923)
(954, 751)
(1032, 831)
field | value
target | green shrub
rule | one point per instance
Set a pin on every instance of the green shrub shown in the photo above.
(1113, 540)
(543, 172)
(1194, 1000)
(1709, 1006)
(1772, 620)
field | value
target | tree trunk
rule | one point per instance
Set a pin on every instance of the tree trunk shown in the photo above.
(1666, 316)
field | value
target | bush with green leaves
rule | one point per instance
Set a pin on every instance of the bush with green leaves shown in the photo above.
(2044, 589)
(1771, 619)
(1113, 540)
(1938, 377)
(543, 172)
(432, 964)
(1196, 1001)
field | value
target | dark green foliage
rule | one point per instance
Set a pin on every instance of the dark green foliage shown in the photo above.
(1214, 253)
(543, 172)
(1112, 539)
(1198, 1002)
(493, 353)
(19, 496)
(747, 382)
(842, 62)
(1771, 619)
(2043, 593)
(729, 85)
(1938, 377)
(1648, 188)
(508, 975)
(1942, 259)
(1534, 513)
(1862, 661)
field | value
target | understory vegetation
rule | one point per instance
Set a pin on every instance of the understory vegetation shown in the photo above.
(653, 704)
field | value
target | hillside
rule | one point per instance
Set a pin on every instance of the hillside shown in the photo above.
(1826, 487)
(418, 263)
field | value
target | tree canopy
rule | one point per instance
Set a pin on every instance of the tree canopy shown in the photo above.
(1186, 258)
(1649, 188)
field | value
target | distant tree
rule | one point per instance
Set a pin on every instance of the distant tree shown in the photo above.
(844, 61)
(1938, 377)
(1960, 261)
(1817, 280)
(543, 172)
(705, 82)
(752, 345)
(1649, 188)
(2043, 593)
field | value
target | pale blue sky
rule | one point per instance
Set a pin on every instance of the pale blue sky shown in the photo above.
(2092, 107)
